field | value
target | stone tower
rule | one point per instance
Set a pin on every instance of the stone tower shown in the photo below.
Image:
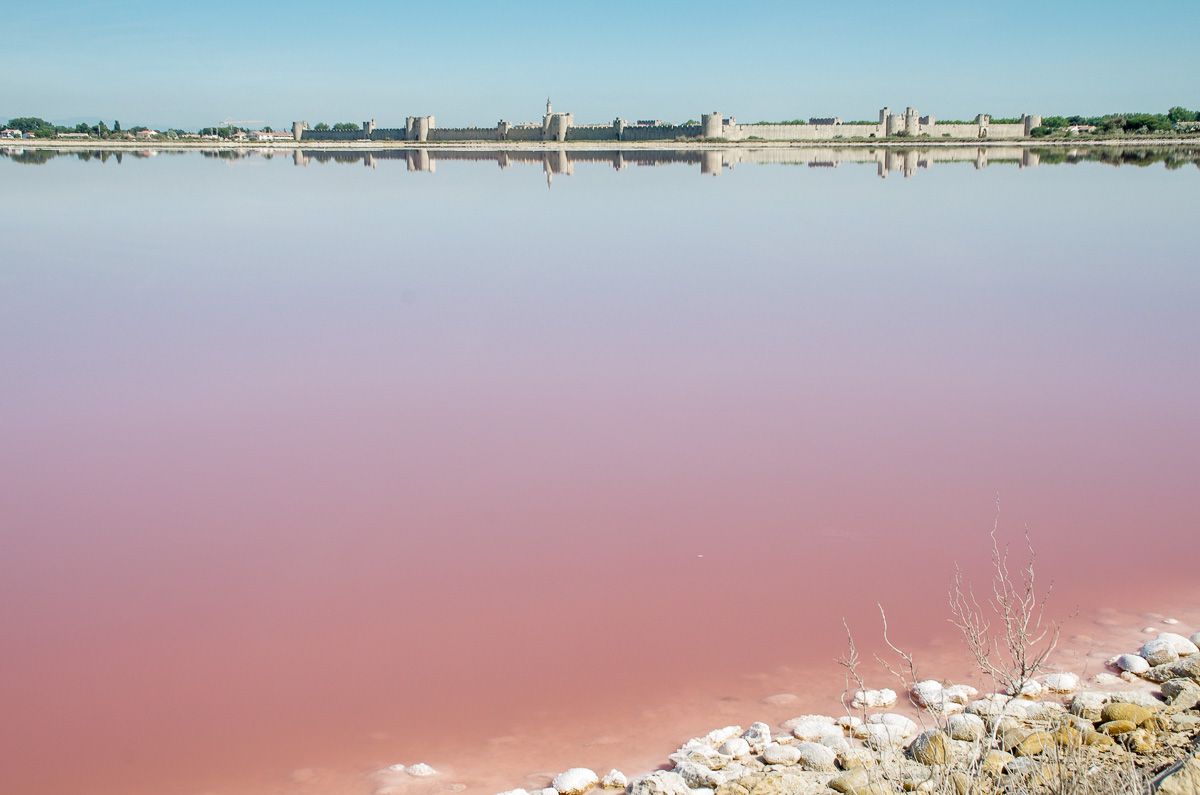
(711, 125)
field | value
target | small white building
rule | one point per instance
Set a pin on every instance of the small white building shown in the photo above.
(266, 137)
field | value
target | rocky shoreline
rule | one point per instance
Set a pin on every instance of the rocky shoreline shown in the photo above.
(1132, 728)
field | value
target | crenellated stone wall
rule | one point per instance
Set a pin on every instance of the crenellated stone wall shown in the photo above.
(560, 127)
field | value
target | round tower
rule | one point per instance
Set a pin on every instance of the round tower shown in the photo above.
(711, 125)
(298, 128)
(911, 124)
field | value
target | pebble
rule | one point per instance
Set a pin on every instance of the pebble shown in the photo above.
(421, 770)
(1170, 620)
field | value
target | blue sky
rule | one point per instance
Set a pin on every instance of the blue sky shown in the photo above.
(192, 64)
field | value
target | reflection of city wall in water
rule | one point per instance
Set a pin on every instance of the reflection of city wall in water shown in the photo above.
(906, 162)
(560, 161)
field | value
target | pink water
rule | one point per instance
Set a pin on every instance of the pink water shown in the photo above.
(311, 471)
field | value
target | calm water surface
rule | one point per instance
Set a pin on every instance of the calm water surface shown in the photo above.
(313, 464)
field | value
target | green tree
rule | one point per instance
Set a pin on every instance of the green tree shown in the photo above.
(345, 126)
(321, 126)
(29, 124)
(116, 126)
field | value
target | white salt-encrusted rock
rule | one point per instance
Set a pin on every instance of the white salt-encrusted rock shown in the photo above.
(960, 694)
(757, 736)
(1025, 710)
(849, 722)
(838, 743)
(966, 727)
(1138, 697)
(660, 782)
(735, 747)
(1133, 663)
(1158, 652)
(815, 756)
(1182, 646)
(895, 720)
(790, 724)
(814, 728)
(396, 768)
(1195, 638)
(781, 699)
(1061, 682)
(718, 736)
(874, 699)
(936, 697)
(697, 776)
(989, 705)
(927, 692)
(614, 779)
(575, 781)
(697, 751)
(776, 754)
(1106, 679)
(1088, 705)
(421, 770)
(883, 736)
(1031, 688)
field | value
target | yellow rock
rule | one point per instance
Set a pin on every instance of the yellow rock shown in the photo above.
(1139, 741)
(1097, 739)
(1115, 727)
(1067, 736)
(1155, 724)
(994, 762)
(1129, 712)
(1013, 737)
(929, 748)
(1034, 744)
(860, 781)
